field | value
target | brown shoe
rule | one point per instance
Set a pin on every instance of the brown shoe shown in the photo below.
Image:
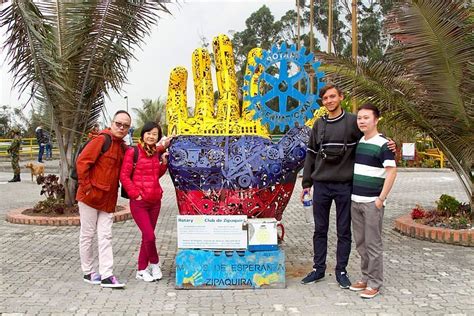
(369, 293)
(358, 286)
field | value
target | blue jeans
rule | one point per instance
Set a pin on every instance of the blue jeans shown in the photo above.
(40, 152)
(49, 149)
(324, 194)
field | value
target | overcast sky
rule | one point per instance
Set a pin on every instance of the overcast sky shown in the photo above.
(170, 44)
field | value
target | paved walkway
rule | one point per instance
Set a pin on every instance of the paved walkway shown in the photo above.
(40, 271)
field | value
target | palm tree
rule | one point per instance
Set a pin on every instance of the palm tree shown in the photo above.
(69, 54)
(152, 111)
(427, 80)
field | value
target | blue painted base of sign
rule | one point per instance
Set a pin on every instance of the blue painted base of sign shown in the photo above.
(207, 269)
(262, 247)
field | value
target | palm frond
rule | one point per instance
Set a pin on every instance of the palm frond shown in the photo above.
(71, 53)
(151, 111)
(432, 34)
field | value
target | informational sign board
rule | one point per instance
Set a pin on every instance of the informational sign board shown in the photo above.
(408, 151)
(262, 234)
(224, 270)
(212, 232)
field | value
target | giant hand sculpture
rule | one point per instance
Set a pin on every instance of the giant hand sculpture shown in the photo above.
(225, 162)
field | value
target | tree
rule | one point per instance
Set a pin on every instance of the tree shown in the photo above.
(372, 40)
(152, 111)
(427, 79)
(262, 31)
(69, 54)
(4, 120)
(339, 30)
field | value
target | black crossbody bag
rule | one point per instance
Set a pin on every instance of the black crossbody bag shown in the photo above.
(332, 155)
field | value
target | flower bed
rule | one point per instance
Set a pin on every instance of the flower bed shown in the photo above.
(18, 217)
(407, 226)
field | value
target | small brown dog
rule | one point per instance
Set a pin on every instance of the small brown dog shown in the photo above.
(36, 169)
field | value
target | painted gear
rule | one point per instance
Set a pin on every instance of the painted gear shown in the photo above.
(283, 87)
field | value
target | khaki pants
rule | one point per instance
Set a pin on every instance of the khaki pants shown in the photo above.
(367, 229)
(92, 221)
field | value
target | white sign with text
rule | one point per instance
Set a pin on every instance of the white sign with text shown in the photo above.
(212, 232)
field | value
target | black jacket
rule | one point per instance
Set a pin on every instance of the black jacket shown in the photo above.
(318, 169)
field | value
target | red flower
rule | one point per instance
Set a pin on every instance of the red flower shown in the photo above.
(417, 212)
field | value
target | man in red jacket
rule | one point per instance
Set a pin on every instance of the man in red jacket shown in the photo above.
(98, 175)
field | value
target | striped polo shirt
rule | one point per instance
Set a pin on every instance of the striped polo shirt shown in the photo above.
(372, 156)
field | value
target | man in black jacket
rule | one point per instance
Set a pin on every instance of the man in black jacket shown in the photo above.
(329, 167)
(41, 139)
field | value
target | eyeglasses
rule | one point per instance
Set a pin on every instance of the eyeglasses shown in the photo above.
(121, 125)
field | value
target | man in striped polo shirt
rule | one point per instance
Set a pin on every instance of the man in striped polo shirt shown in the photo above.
(374, 174)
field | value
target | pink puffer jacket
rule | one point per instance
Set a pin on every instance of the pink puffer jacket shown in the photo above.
(146, 177)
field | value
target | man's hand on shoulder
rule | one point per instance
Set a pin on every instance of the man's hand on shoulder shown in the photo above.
(392, 145)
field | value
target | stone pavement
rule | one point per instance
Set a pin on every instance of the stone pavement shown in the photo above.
(40, 272)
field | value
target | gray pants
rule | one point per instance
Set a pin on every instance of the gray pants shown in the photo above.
(367, 228)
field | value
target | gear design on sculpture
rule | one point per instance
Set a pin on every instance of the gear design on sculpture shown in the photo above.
(283, 86)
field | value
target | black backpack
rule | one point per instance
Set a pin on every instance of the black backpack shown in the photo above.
(124, 193)
(105, 147)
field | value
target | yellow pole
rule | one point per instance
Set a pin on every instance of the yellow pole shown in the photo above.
(311, 19)
(298, 33)
(355, 45)
(298, 24)
(330, 22)
(311, 40)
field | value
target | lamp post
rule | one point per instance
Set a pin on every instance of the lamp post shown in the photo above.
(126, 101)
(355, 46)
(330, 26)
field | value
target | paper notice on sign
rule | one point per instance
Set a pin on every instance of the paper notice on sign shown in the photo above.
(212, 232)
(262, 231)
(408, 151)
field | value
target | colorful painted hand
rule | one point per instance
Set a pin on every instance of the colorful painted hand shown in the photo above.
(194, 280)
(223, 161)
(260, 279)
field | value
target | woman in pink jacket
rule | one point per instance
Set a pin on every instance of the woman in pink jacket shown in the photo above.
(142, 183)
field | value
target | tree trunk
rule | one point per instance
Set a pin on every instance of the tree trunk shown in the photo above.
(65, 163)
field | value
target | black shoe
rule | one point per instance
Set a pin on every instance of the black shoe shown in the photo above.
(92, 278)
(16, 178)
(343, 280)
(312, 277)
(112, 282)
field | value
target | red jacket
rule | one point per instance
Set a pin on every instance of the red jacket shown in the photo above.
(98, 173)
(146, 177)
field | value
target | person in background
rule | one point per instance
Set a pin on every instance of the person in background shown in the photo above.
(41, 140)
(98, 176)
(14, 151)
(48, 146)
(130, 133)
(141, 181)
(375, 171)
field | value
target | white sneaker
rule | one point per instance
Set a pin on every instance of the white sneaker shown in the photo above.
(155, 271)
(144, 275)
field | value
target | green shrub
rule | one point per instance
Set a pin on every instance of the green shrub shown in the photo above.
(448, 205)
